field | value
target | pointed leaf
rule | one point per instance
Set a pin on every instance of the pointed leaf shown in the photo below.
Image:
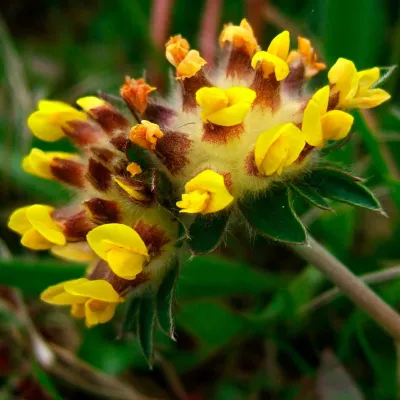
(162, 188)
(311, 195)
(165, 301)
(129, 320)
(145, 327)
(206, 232)
(339, 185)
(272, 215)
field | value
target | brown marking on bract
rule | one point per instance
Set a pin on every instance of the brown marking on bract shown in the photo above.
(304, 153)
(218, 134)
(109, 118)
(98, 175)
(250, 164)
(77, 226)
(68, 171)
(172, 149)
(333, 101)
(102, 154)
(227, 180)
(189, 88)
(294, 82)
(82, 133)
(120, 285)
(159, 114)
(239, 63)
(152, 236)
(267, 90)
(102, 211)
(120, 142)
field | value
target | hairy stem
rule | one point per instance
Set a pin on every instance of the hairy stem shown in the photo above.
(350, 285)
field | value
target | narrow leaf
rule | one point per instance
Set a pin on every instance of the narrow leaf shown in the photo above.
(311, 195)
(206, 232)
(339, 185)
(145, 327)
(165, 301)
(129, 320)
(272, 215)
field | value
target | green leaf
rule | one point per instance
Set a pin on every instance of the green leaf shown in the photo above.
(339, 185)
(45, 381)
(205, 234)
(145, 327)
(206, 276)
(165, 301)
(129, 320)
(311, 195)
(272, 215)
(164, 191)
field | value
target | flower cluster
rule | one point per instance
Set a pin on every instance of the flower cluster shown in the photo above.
(220, 136)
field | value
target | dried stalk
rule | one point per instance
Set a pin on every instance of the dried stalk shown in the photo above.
(350, 285)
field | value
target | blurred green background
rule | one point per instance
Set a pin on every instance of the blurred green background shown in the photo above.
(245, 326)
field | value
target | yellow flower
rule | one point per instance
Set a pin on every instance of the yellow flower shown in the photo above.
(278, 148)
(319, 125)
(241, 37)
(190, 65)
(205, 193)
(121, 246)
(39, 163)
(176, 49)
(78, 251)
(225, 107)
(273, 61)
(146, 134)
(354, 87)
(37, 228)
(308, 56)
(47, 123)
(94, 299)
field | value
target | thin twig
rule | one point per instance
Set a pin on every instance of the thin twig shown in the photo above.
(350, 285)
(255, 17)
(330, 295)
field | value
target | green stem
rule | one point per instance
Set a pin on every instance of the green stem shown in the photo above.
(350, 285)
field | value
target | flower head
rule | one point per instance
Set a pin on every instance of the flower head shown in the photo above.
(225, 107)
(146, 134)
(95, 300)
(206, 193)
(135, 93)
(37, 228)
(353, 87)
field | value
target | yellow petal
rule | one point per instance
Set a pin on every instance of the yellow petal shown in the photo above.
(367, 78)
(270, 63)
(135, 194)
(230, 116)
(98, 289)
(79, 251)
(54, 106)
(336, 125)
(124, 263)
(40, 218)
(56, 294)
(98, 312)
(191, 64)
(90, 102)
(213, 183)
(239, 94)
(369, 99)
(78, 310)
(18, 221)
(343, 75)
(108, 236)
(311, 126)
(176, 49)
(194, 202)
(277, 148)
(33, 240)
(279, 46)
(211, 99)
